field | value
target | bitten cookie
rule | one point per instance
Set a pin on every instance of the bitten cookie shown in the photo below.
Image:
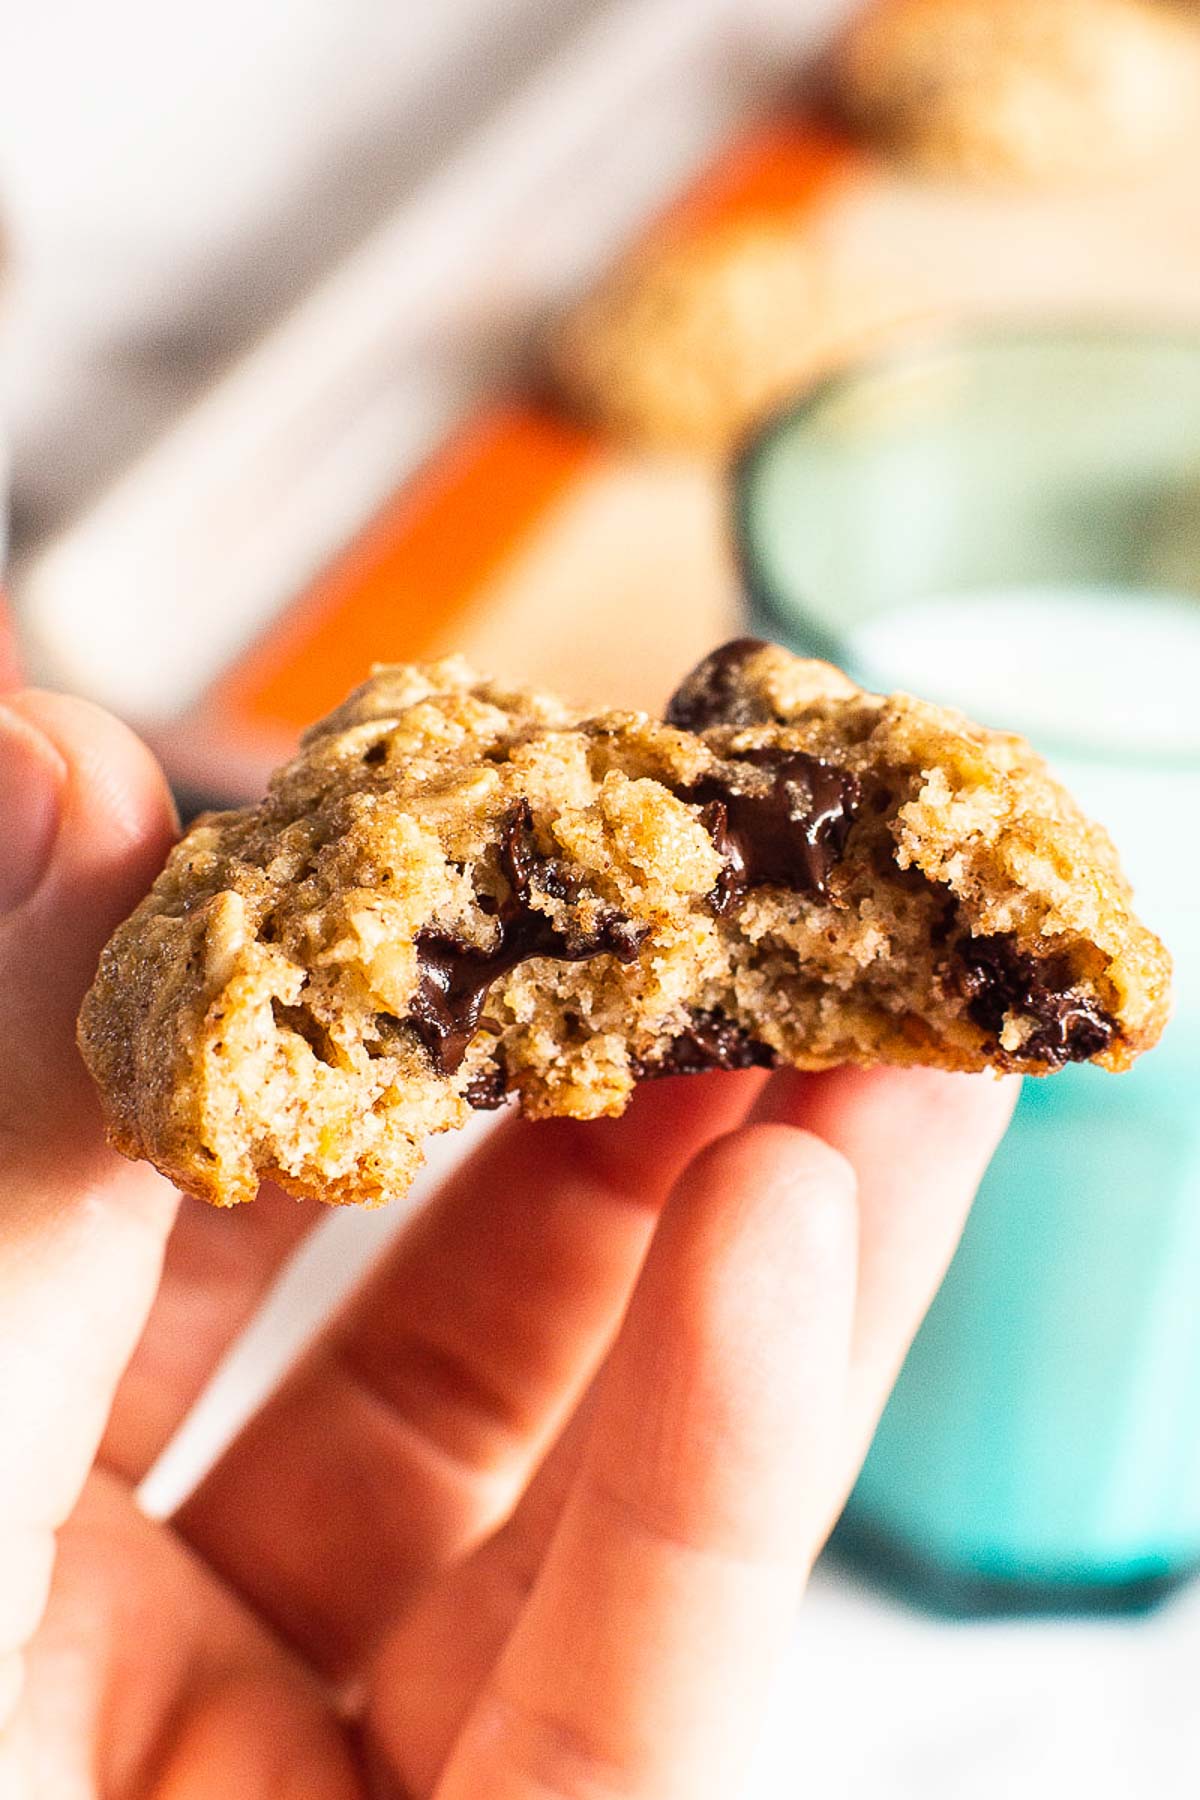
(1032, 90)
(458, 891)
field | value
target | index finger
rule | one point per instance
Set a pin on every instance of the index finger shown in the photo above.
(640, 1663)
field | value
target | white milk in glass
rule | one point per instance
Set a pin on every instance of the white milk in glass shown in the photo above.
(1046, 1426)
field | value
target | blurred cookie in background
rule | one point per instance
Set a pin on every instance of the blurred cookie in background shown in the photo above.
(685, 344)
(1026, 90)
(728, 304)
(959, 156)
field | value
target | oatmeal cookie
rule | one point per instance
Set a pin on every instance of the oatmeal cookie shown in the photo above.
(1026, 90)
(458, 892)
(687, 342)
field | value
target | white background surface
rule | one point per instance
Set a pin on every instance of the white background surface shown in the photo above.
(170, 174)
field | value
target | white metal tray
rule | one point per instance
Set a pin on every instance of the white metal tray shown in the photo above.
(144, 599)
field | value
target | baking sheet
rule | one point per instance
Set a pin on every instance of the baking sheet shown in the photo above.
(205, 597)
(145, 599)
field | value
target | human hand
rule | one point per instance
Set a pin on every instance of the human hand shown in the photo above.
(532, 1516)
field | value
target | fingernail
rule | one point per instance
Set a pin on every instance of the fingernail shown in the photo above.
(31, 780)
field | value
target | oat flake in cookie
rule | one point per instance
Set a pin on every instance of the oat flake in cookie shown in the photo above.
(459, 891)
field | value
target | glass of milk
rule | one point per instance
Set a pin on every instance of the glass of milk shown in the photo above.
(1011, 524)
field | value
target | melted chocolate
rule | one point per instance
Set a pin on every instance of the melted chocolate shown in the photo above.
(715, 693)
(998, 978)
(487, 1090)
(456, 977)
(778, 817)
(711, 1041)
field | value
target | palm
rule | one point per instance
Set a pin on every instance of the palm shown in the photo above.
(506, 1531)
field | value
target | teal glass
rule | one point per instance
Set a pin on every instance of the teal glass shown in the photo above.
(1042, 1447)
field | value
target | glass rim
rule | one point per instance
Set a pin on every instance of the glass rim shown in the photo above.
(914, 350)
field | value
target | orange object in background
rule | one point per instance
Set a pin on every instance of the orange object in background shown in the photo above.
(526, 543)
(775, 170)
(496, 545)
(400, 591)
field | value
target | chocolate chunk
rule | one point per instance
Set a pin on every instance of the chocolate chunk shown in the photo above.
(998, 978)
(778, 817)
(487, 1090)
(456, 978)
(453, 984)
(787, 827)
(711, 1041)
(715, 693)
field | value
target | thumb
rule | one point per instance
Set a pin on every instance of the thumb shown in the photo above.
(85, 820)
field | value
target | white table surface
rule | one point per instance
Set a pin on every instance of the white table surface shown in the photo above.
(168, 175)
